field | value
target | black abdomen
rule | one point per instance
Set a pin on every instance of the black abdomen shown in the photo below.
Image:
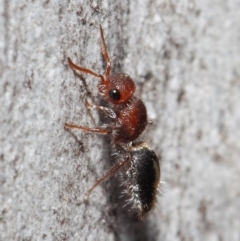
(142, 178)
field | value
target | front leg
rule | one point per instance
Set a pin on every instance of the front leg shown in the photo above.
(96, 130)
(109, 112)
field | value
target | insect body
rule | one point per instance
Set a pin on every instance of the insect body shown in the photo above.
(129, 119)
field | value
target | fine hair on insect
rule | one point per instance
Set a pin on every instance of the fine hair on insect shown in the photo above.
(138, 164)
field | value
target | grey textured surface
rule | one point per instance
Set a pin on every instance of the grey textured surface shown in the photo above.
(185, 58)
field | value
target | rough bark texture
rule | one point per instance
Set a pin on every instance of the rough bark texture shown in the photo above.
(184, 56)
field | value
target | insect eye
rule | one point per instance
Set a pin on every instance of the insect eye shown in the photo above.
(114, 94)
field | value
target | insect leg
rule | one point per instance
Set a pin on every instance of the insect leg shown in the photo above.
(89, 129)
(111, 172)
(109, 112)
